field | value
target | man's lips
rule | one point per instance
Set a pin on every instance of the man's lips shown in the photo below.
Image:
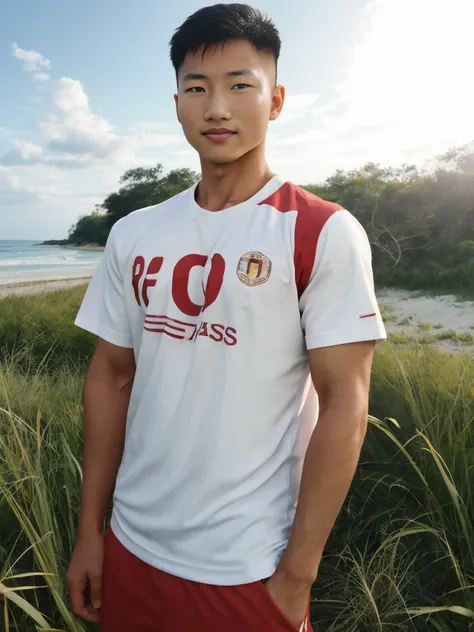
(218, 134)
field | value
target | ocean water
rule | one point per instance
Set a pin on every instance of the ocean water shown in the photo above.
(25, 261)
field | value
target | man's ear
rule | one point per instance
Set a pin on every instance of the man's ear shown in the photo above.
(278, 101)
(176, 104)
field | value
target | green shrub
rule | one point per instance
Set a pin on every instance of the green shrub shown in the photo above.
(449, 334)
(424, 325)
(427, 339)
(398, 338)
(387, 313)
(404, 322)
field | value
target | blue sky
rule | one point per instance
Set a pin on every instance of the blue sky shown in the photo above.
(87, 92)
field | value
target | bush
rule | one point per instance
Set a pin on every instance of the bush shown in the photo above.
(404, 322)
(427, 339)
(424, 325)
(387, 313)
(90, 229)
(449, 334)
(398, 339)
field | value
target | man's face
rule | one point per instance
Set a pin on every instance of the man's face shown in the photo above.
(232, 88)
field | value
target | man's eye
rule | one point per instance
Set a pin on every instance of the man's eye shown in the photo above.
(241, 85)
(194, 89)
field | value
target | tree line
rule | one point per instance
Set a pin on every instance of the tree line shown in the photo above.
(420, 222)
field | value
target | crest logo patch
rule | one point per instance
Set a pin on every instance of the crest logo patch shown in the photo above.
(254, 268)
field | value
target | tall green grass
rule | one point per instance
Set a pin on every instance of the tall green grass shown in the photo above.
(401, 556)
(40, 476)
(38, 330)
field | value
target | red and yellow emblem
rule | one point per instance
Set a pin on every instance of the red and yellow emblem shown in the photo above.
(254, 268)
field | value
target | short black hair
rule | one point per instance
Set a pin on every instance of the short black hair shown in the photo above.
(220, 23)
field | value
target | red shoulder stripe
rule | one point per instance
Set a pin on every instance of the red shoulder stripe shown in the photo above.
(312, 214)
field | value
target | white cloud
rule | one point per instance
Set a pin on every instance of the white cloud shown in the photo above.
(42, 76)
(32, 61)
(8, 181)
(19, 190)
(27, 150)
(22, 153)
(74, 129)
(75, 137)
(14, 191)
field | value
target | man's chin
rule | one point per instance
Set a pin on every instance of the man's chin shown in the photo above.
(219, 160)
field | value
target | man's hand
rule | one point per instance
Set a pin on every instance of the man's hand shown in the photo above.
(84, 578)
(291, 596)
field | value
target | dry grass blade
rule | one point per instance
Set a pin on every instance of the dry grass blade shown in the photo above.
(417, 612)
(22, 575)
(26, 607)
(38, 429)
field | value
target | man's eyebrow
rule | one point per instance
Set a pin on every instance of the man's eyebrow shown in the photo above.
(197, 76)
(243, 71)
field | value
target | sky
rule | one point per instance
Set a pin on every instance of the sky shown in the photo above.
(87, 93)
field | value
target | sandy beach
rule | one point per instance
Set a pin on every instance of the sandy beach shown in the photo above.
(85, 247)
(445, 309)
(43, 285)
(416, 315)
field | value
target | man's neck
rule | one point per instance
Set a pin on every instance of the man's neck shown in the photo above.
(223, 186)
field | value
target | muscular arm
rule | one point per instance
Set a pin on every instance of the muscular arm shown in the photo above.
(106, 398)
(341, 376)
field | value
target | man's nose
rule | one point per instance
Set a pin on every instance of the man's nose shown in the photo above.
(217, 107)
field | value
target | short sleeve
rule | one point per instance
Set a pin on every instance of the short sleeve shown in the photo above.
(103, 311)
(338, 305)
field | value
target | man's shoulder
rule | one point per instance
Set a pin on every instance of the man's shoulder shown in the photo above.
(142, 217)
(290, 197)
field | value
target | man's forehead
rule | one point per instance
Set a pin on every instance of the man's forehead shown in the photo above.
(226, 58)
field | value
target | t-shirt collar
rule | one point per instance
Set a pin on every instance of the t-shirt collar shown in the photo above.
(266, 191)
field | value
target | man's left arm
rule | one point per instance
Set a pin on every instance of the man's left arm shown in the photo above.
(341, 321)
(341, 376)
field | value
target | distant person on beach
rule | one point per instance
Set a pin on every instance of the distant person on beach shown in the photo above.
(230, 319)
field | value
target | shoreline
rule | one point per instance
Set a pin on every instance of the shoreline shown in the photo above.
(86, 247)
(93, 247)
(37, 286)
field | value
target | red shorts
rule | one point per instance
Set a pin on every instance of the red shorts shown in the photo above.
(139, 598)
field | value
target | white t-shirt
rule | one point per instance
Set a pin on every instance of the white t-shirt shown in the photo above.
(220, 308)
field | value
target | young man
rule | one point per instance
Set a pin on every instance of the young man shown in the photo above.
(230, 318)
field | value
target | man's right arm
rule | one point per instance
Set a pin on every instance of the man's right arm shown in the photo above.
(106, 399)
